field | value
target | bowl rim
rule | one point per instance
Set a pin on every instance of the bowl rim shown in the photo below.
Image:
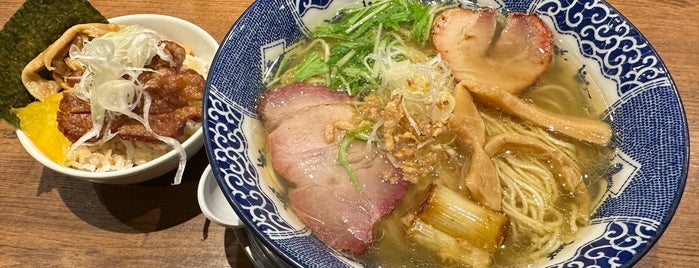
(247, 223)
(40, 157)
(672, 209)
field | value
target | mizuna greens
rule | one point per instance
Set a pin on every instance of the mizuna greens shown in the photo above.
(358, 33)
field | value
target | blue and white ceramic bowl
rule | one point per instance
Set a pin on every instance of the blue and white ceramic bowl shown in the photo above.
(641, 100)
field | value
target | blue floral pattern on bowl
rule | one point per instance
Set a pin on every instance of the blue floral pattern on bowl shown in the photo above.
(643, 106)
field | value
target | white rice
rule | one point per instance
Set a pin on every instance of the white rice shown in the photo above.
(118, 154)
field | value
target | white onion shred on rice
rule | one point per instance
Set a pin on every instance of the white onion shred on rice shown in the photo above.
(112, 64)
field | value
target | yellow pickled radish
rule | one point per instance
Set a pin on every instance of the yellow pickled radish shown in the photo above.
(38, 122)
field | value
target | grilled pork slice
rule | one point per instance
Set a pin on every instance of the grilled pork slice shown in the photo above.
(278, 104)
(175, 94)
(323, 196)
(74, 120)
(512, 59)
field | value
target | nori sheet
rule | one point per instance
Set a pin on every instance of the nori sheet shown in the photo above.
(35, 25)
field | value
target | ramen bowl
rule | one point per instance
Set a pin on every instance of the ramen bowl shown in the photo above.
(640, 101)
(181, 31)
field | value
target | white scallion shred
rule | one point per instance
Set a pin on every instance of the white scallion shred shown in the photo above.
(425, 86)
(112, 64)
(373, 136)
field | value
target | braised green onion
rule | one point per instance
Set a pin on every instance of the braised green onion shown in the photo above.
(450, 249)
(459, 225)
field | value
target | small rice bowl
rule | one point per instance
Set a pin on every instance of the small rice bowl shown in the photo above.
(143, 161)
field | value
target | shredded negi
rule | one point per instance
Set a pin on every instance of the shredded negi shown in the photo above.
(113, 64)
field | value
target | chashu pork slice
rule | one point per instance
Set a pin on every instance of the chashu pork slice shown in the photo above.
(279, 103)
(512, 59)
(322, 194)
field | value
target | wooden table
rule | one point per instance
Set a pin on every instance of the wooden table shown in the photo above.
(48, 220)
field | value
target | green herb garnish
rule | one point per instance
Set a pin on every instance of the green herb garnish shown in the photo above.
(312, 64)
(359, 32)
(357, 134)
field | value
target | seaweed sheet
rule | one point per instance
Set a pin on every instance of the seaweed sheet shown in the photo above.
(35, 25)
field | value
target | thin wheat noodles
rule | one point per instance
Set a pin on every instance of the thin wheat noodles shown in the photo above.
(551, 96)
(530, 188)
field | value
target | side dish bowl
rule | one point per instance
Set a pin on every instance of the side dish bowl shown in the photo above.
(651, 140)
(181, 31)
(213, 203)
